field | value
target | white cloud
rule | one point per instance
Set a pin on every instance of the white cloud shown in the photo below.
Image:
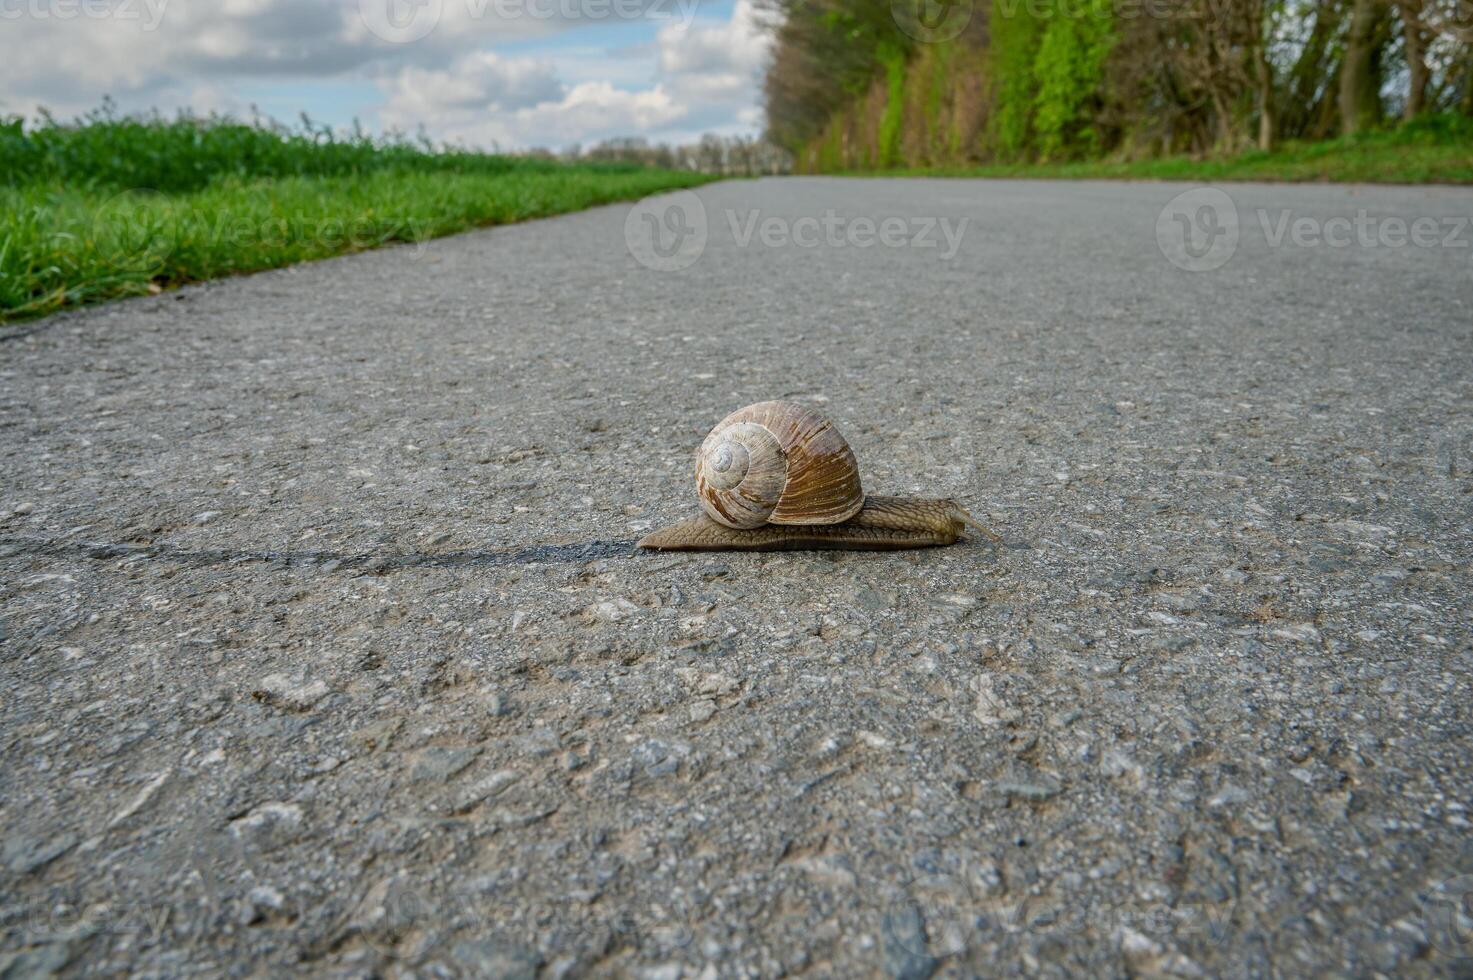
(66, 54)
(150, 46)
(691, 76)
(478, 82)
(706, 76)
(722, 57)
(470, 104)
(718, 69)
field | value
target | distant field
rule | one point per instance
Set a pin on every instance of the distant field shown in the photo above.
(108, 207)
(1434, 151)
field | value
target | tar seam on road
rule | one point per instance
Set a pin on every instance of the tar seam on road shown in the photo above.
(369, 562)
(15, 332)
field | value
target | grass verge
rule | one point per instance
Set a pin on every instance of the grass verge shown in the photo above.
(62, 247)
(1412, 155)
(229, 198)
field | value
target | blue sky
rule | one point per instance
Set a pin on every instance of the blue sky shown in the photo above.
(511, 73)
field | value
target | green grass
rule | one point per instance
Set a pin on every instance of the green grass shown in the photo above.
(188, 153)
(110, 207)
(63, 247)
(1427, 152)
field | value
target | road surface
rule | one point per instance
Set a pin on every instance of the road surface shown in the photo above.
(324, 647)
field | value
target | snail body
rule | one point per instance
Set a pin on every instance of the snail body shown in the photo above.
(883, 524)
(776, 476)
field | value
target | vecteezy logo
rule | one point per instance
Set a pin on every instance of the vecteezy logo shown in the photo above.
(135, 229)
(666, 233)
(400, 21)
(930, 21)
(1448, 916)
(1198, 229)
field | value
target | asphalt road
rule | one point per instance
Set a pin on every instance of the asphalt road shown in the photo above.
(324, 647)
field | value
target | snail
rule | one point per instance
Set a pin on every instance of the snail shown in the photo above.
(775, 476)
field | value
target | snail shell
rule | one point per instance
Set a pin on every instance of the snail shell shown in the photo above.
(777, 463)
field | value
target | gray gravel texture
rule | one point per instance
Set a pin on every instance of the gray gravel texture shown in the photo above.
(325, 648)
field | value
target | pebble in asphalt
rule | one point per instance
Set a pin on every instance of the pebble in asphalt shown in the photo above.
(325, 648)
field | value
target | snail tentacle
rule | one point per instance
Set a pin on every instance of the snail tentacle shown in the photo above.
(960, 514)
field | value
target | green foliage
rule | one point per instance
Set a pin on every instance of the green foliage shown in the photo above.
(894, 61)
(1047, 67)
(940, 142)
(830, 149)
(1055, 80)
(1068, 72)
(1016, 36)
(869, 33)
(1442, 129)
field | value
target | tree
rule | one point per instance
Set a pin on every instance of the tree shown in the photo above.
(1261, 18)
(1449, 27)
(1308, 107)
(1067, 72)
(1360, 90)
(1414, 44)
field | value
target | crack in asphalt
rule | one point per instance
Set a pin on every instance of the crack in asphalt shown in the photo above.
(30, 330)
(370, 562)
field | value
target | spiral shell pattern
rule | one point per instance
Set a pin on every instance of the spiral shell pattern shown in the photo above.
(777, 463)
